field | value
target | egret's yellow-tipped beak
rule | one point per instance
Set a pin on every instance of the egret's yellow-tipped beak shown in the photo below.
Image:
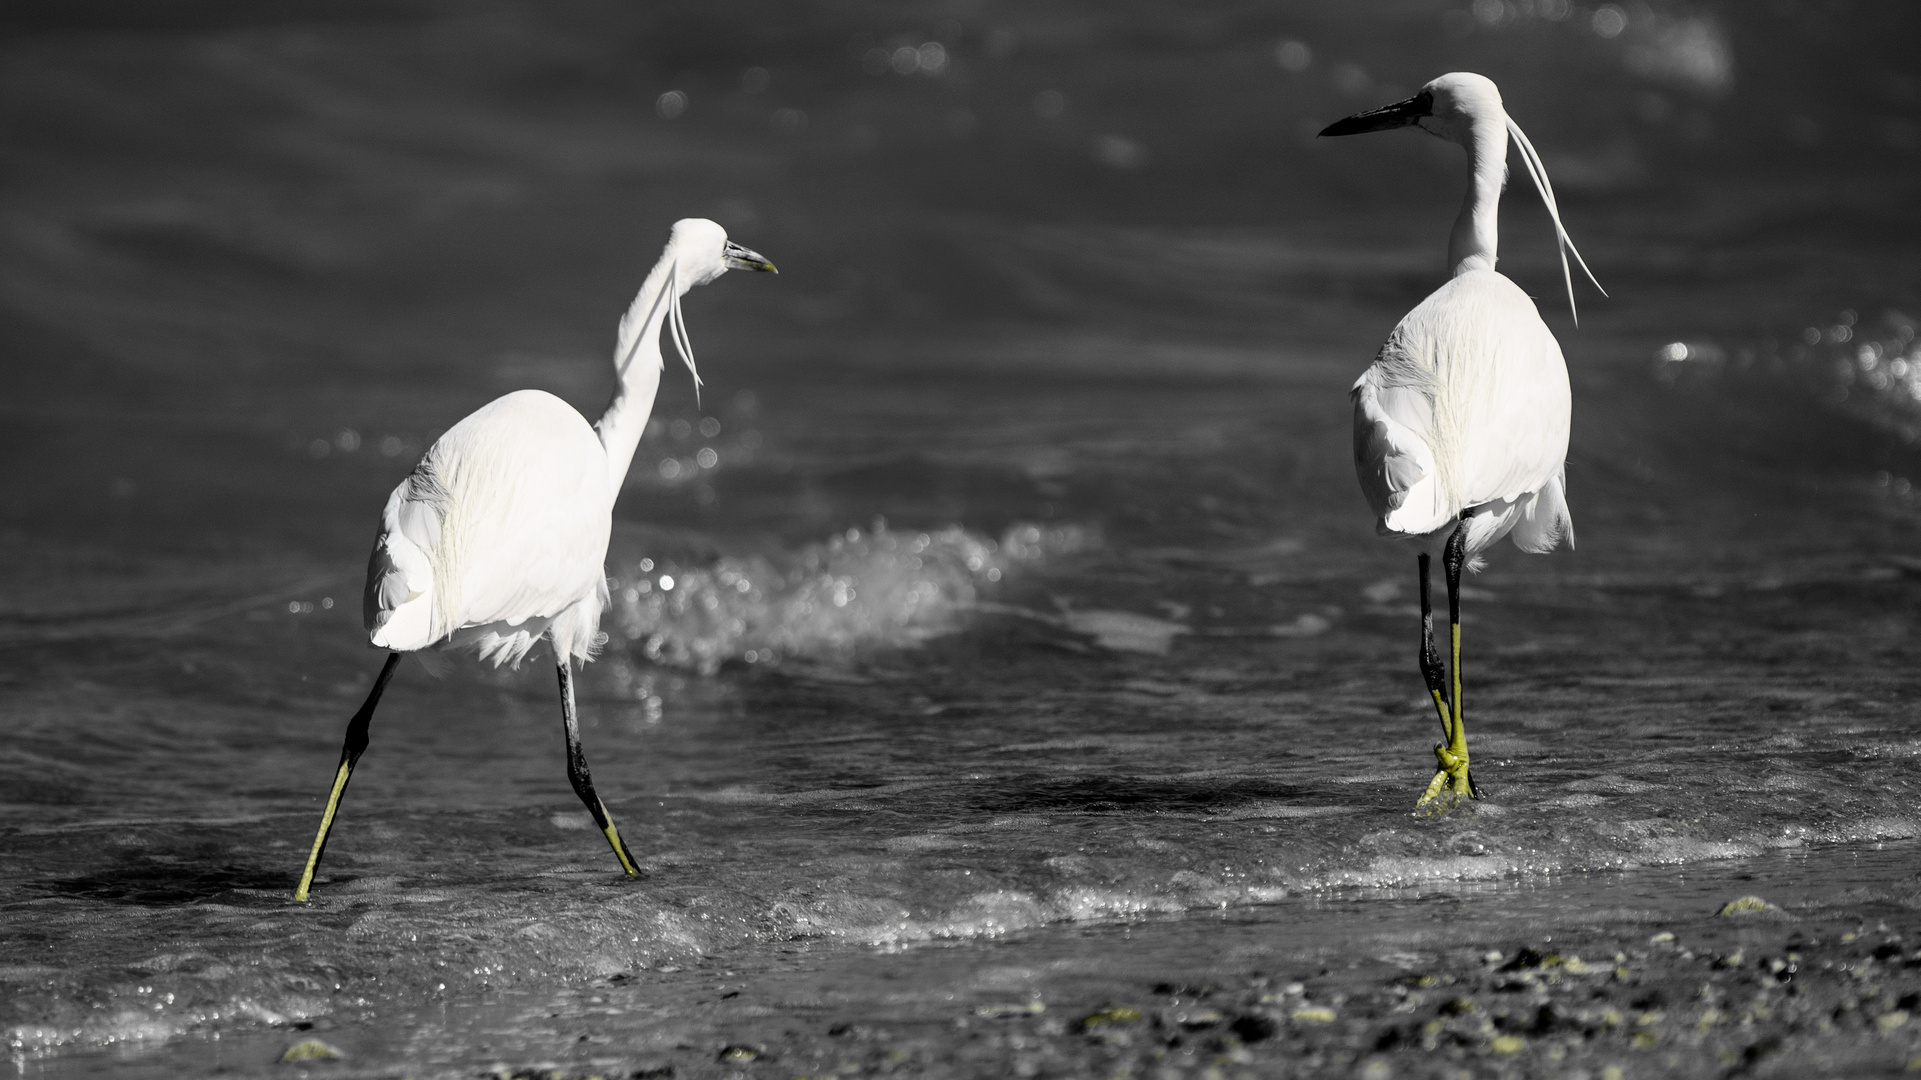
(740, 258)
(1386, 118)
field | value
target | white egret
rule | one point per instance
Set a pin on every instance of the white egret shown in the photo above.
(1461, 422)
(499, 537)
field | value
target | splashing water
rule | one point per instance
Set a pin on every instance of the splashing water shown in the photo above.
(1869, 369)
(859, 588)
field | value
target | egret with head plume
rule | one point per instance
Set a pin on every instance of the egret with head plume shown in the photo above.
(499, 536)
(1461, 422)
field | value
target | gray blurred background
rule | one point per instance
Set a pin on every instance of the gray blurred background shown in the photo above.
(227, 232)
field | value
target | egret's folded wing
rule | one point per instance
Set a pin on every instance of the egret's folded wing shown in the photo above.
(1393, 457)
(528, 509)
(397, 607)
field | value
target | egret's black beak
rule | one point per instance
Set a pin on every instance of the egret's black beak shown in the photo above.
(1387, 117)
(739, 258)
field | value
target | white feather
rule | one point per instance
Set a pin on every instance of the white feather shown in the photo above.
(681, 344)
(1563, 242)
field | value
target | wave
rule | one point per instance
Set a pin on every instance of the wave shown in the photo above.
(858, 589)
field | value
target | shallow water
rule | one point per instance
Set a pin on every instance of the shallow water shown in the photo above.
(1009, 581)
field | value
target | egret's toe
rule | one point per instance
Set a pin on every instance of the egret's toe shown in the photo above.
(1452, 784)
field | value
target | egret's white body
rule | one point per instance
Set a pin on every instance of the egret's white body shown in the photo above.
(499, 536)
(1467, 408)
(1461, 422)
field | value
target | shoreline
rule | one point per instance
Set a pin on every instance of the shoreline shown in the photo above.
(1635, 971)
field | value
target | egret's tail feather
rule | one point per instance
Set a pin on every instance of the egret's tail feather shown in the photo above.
(574, 631)
(433, 662)
(1538, 173)
(1544, 521)
(498, 643)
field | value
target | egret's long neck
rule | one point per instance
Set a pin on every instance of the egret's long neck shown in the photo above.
(637, 367)
(1477, 231)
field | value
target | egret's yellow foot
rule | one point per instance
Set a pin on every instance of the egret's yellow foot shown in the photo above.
(583, 780)
(620, 846)
(1450, 784)
(1443, 803)
(356, 745)
(1451, 781)
(326, 825)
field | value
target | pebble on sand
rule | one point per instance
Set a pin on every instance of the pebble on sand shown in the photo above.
(1119, 1014)
(310, 1050)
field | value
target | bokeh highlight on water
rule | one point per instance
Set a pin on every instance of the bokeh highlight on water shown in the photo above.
(1010, 573)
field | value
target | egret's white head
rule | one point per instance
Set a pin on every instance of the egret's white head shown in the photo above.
(1448, 107)
(698, 251)
(1459, 100)
(702, 252)
(1466, 108)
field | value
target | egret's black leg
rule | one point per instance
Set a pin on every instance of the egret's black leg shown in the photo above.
(584, 783)
(1436, 677)
(1431, 669)
(356, 745)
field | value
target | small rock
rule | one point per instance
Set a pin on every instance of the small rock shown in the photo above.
(1198, 1018)
(1745, 905)
(1119, 1014)
(1253, 1028)
(1024, 1009)
(310, 1050)
(1529, 957)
